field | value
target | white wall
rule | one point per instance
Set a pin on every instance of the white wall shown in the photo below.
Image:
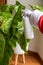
(40, 51)
(11, 1)
(42, 2)
(36, 44)
(25, 2)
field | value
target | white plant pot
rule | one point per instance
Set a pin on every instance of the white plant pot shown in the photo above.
(18, 50)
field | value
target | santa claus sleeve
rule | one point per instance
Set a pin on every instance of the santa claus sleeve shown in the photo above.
(36, 19)
(40, 24)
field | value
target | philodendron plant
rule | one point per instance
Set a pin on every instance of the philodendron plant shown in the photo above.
(11, 31)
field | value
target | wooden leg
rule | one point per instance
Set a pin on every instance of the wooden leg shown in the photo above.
(16, 59)
(23, 58)
(11, 62)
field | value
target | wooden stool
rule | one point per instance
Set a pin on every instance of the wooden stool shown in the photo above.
(18, 51)
(16, 59)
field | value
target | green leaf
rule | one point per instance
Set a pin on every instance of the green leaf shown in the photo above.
(5, 8)
(18, 14)
(8, 52)
(5, 51)
(22, 41)
(34, 7)
(6, 22)
(12, 42)
(2, 47)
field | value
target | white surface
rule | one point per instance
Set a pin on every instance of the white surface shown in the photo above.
(36, 44)
(25, 2)
(11, 2)
(42, 2)
(40, 51)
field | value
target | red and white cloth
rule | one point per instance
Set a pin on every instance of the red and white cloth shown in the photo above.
(36, 19)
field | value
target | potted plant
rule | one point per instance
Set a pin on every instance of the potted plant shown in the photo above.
(11, 31)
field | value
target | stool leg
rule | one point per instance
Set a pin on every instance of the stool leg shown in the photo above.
(23, 58)
(16, 59)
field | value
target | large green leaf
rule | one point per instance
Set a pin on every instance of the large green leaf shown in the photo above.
(2, 46)
(5, 50)
(8, 52)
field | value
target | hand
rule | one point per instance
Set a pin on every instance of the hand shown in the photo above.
(26, 12)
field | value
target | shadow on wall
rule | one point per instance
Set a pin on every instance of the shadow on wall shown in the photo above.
(33, 46)
(32, 2)
(25, 2)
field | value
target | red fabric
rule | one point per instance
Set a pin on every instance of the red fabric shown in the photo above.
(40, 24)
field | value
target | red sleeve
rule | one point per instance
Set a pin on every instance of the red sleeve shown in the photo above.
(40, 24)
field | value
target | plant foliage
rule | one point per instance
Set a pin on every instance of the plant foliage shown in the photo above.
(34, 7)
(11, 31)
